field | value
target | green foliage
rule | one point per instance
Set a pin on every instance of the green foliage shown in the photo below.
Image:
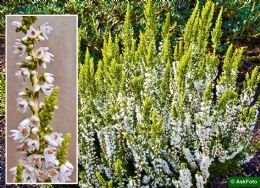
(47, 110)
(98, 18)
(19, 171)
(2, 94)
(27, 21)
(62, 151)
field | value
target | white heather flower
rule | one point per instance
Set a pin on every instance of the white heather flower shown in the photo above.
(41, 104)
(31, 103)
(16, 24)
(41, 174)
(35, 130)
(146, 180)
(187, 154)
(199, 181)
(39, 53)
(46, 29)
(31, 46)
(33, 33)
(13, 171)
(28, 58)
(43, 64)
(22, 105)
(36, 88)
(25, 122)
(49, 77)
(22, 93)
(34, 72)
(185, 178)
(19, 48)
(47, 88)
(241, 130)
(62, 176)
(204, 166)
(57, 177)
(33, 144)
(36, 159)
(22, 133)
(23, 73)
(50, 157)
(25, 38)
(66, 169)
(29, 174)
(41, 37)
(55, 139)
(35, 121)
(48, 57)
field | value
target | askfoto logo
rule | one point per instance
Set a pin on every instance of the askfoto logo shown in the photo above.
(243, 181)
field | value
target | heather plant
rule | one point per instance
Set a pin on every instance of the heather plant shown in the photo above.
(98, 18)
(165, 116)
(43, 151)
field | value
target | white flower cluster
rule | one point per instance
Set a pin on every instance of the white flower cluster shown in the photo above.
(39, 163)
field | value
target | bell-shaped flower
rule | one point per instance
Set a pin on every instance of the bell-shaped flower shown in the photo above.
(66, 169)
(23, 73)
(48, 57)
(35, 130)
(36, 160)
(39, 53)
(48, 77)
(47, 88)
(41, 174)
(29, 174)
(16, 24)
(33, 33)
(22, 133)
(46, 30)
(22, 93)
(22, 105)
(19, 48)
(36, 88)
(55, 176)
(25, 38)
(50, 157)
(35, 121)
(28, 58)
(31, 103)
(32, 144)
(55, 139)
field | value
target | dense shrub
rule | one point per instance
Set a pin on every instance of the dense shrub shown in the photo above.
(151, 117)
(98, 18)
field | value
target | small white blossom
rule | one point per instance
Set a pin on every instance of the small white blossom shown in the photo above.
(19, 48)
(55, 139)
(33, 33)
(50, 157)
(22, 133)
(47, 88)
(16, 24)
(33, 145)
(23, 73)
(46, 29)
(22, 105)
(49, 77)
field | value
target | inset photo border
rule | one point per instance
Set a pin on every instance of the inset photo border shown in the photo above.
(41, 99)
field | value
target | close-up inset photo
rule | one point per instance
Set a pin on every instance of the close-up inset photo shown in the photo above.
(41, 105)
